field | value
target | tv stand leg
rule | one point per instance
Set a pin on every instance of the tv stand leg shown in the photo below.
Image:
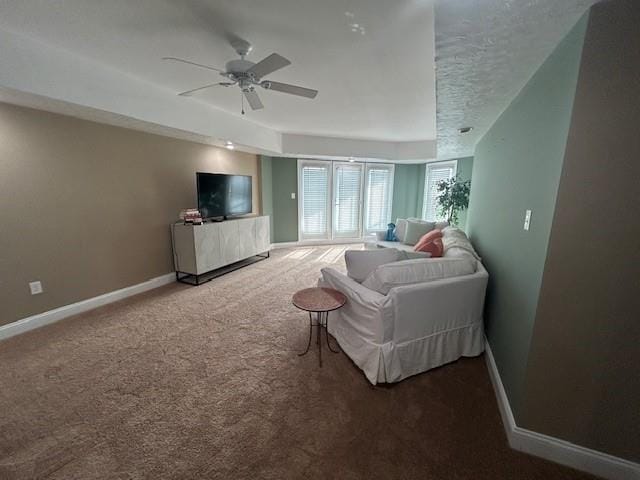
(195, 280)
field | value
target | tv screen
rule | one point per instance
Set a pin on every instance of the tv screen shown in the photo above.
(221, 195)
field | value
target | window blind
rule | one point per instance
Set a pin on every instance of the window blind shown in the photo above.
(315, 194)
(379, 194)
(343, 199)
(347, 195)
(434, 174)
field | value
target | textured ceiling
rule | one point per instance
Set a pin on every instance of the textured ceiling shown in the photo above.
(486, 51)
(376, 81)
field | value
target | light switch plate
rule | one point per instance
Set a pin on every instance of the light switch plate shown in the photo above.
(293, 195)
(527, 220)
(35, 287)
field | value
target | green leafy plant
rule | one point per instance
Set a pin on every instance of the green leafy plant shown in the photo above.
(452, 197)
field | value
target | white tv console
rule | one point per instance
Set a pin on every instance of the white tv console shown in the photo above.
(200, 249)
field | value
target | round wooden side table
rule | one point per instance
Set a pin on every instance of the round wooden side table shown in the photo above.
(320, 301)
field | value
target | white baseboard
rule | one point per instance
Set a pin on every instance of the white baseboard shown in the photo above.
(45, 318)
(554, 449)
(274, 246)
(315, 243)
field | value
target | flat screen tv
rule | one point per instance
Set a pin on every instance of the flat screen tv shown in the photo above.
(221, 195)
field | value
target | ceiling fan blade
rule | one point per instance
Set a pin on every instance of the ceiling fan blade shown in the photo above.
(268, 65)
(191, 92)
(253, 99)
(189, 62)
(292, 89)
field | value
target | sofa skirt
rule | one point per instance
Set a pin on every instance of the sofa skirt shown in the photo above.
(391, 362)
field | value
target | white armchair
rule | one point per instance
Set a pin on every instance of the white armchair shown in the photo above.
(413, 328)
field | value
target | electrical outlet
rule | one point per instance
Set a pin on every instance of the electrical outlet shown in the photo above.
(293, 195)
(527, 220)
(35, 287)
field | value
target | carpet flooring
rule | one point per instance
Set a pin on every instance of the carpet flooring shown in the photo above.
(204, 383)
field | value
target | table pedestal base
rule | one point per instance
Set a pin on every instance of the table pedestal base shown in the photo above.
(322, 320)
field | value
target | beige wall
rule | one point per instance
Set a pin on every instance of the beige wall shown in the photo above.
(583, 375)
(86, 207)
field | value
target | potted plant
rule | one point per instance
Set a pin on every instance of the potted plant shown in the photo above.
(452, 197)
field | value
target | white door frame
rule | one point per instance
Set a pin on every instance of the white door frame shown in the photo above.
(320, 163)
(361, 166)
(331, 165)
(368, 166)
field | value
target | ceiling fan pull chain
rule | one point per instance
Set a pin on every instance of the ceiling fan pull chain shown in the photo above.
(242, 102)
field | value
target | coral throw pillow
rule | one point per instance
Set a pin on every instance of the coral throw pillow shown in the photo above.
(431, 242)
(434, 247)
(428, 237)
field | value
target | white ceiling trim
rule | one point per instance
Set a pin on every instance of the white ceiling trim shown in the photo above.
(300, 145)
(43, 76)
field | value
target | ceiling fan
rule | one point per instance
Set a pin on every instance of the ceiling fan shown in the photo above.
(248, 75)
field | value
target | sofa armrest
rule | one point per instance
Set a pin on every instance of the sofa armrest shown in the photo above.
(352, 289)
(431, 307)
(363, 313)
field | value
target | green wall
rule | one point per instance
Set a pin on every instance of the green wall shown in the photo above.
(465, 172)
(408, 188)
(517, 166)
(279, 178)
(407, 191)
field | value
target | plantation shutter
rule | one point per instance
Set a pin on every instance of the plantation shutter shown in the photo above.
(347, 200)
(314, 183)
(434, 174)
(379, 194)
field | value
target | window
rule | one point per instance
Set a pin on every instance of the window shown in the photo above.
(347, 199)
(435, 173)
(340, 200)
(379, 195)
(314, 199)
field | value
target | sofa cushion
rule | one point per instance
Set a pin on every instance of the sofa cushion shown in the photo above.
(412, 255)
(457, 245)
(360, 263)
(416, 229)
(408, 272)
(401, 229)
(407, 250)
(401, 226)
(454, 232)
(439, 225)
(457, 252)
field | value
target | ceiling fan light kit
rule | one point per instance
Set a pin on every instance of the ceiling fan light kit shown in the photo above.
(248, 75)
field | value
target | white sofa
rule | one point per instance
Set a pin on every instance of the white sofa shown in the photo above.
(398, 245)
(401, 227)
(414, 327)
